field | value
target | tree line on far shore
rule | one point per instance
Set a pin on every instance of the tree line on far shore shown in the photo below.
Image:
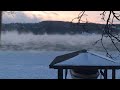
(58, 27)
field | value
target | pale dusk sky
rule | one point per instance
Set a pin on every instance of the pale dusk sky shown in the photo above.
(38, 16)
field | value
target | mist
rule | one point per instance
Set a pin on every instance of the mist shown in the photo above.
(55, 42)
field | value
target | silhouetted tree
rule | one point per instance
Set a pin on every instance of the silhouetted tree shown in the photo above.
(107, 31)
(1, 14)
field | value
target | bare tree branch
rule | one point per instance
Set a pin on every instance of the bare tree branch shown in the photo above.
(107, 31)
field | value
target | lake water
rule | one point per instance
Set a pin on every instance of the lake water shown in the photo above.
(27, 56)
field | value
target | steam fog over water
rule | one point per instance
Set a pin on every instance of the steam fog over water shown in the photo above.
(15, 41)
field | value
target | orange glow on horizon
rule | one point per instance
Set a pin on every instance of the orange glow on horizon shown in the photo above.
(62, 15)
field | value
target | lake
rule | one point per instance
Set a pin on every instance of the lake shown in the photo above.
(27, 56)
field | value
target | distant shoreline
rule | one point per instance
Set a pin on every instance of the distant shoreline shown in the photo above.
(58, 27)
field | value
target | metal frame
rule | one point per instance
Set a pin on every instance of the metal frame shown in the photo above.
(61, 68)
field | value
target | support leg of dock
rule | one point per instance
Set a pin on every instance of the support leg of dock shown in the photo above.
(105, 74)
(60, 73)
(113, 73)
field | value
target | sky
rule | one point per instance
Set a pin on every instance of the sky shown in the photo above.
(38, 16)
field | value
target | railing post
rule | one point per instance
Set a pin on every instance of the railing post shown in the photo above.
(105, 74)
(113, 73)
(60, 73)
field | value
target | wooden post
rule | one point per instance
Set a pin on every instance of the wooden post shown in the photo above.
(0, 25)
(60, 73)
(113, 73)
(105, 74)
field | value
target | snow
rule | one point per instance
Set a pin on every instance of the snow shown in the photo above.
(88, 59)
(27, 64)
(31, 65)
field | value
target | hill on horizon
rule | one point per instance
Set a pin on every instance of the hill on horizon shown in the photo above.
(57, 27)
